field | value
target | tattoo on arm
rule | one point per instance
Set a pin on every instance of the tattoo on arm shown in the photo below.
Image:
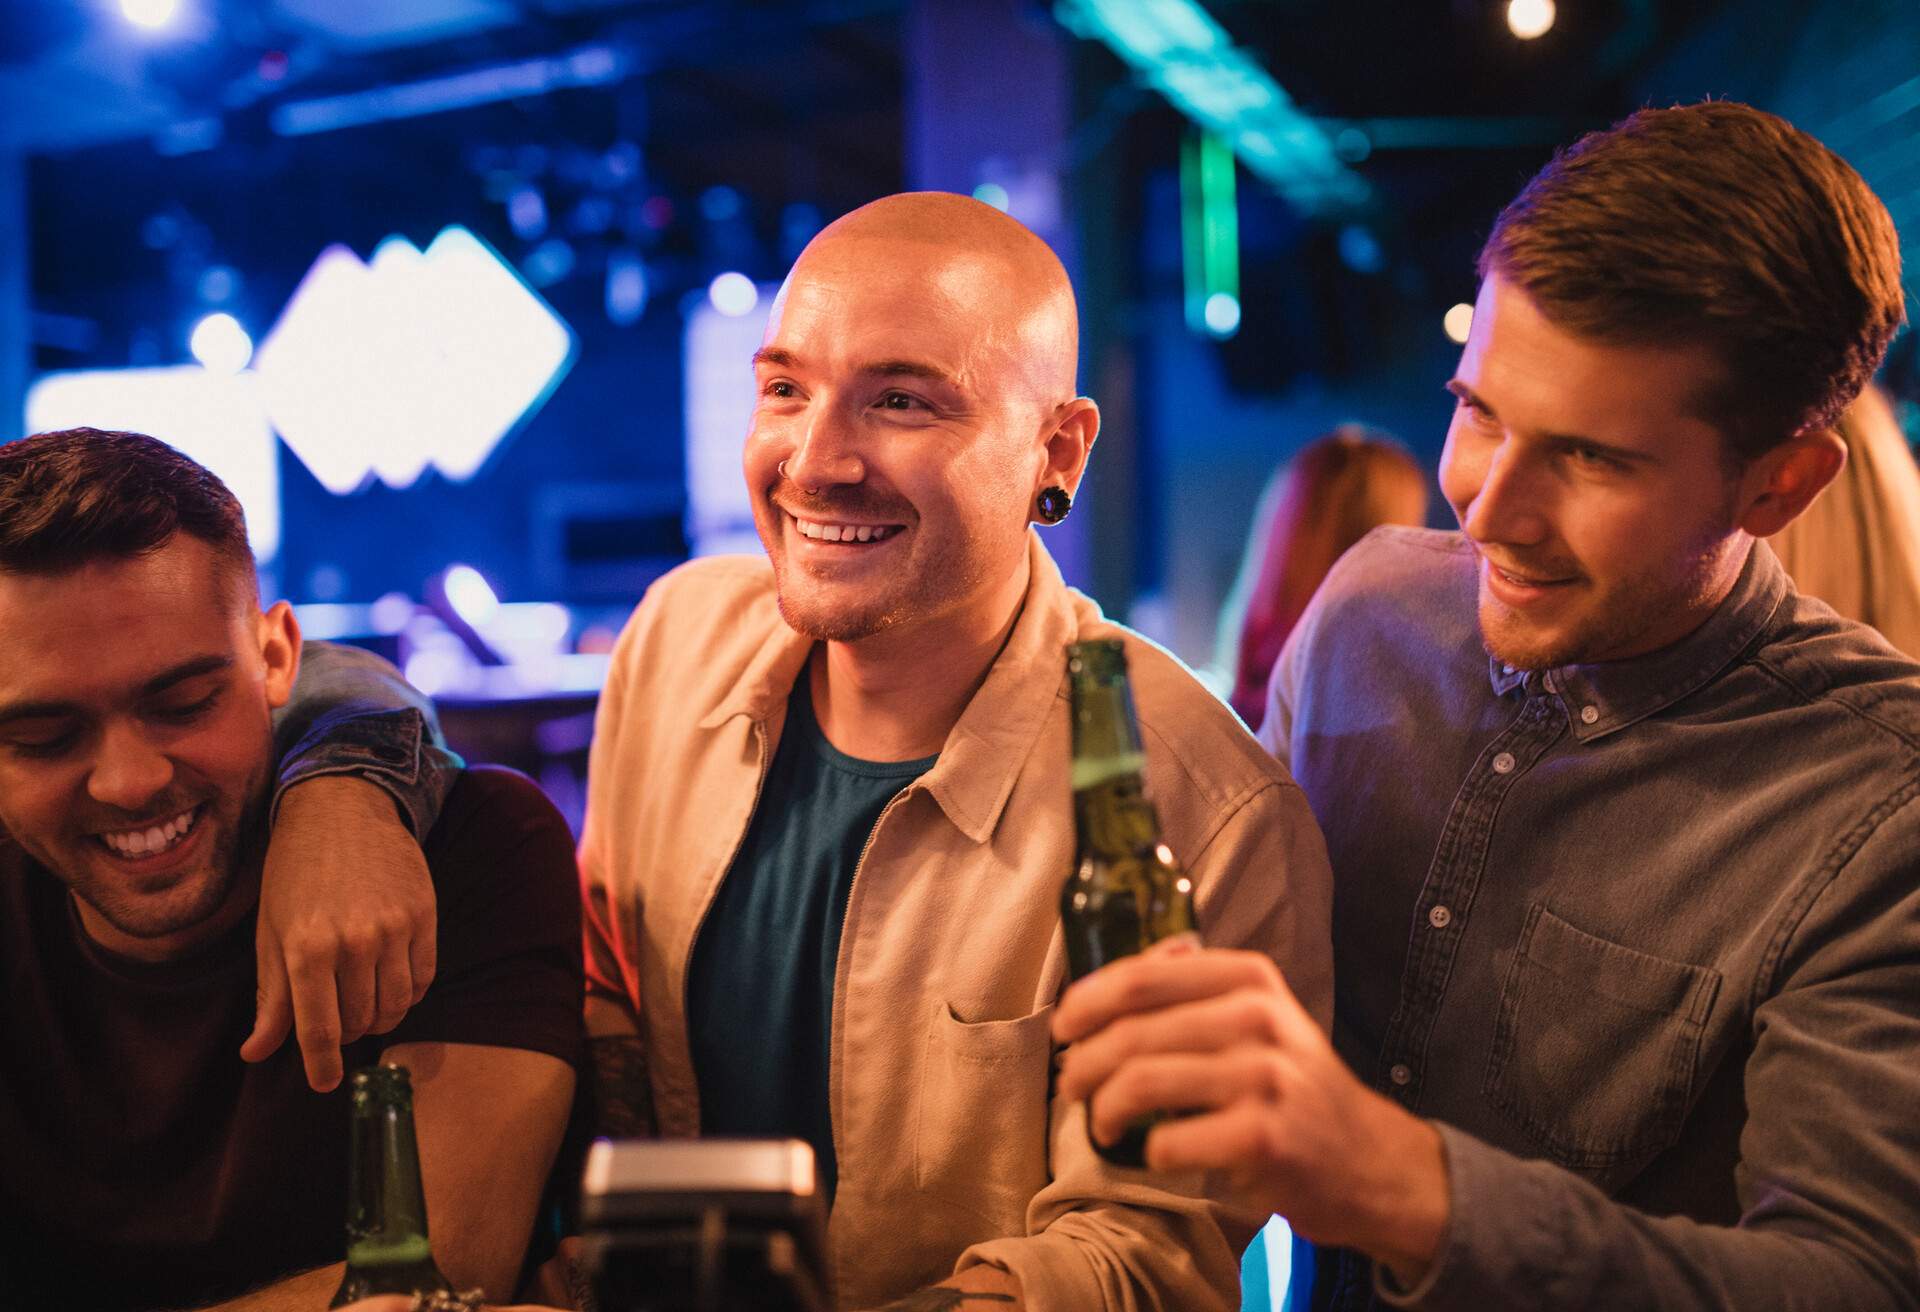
(941, 1298)
(622, 1093)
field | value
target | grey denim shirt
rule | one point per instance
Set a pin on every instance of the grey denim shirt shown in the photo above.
(352, 713)
(1642, 938)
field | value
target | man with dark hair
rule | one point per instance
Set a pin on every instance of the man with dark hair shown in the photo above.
(353, 743)
(1625, 832)
(147, 1165)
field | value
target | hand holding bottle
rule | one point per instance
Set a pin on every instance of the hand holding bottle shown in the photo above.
(1217, 1033)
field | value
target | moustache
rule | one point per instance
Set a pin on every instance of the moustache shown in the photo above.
(1546, 567)
(844, 503)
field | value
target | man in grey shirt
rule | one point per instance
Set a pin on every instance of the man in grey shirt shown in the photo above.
(1624, 831)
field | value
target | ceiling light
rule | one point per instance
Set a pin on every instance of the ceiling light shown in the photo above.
(150, 14)
(1177, 47)
(1528, 19)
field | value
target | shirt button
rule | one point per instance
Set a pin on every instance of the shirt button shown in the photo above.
(1588, 714)
(1503, 763)
(1440, 917)
(1401, 1075)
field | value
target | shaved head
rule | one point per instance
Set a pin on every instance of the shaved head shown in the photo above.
(990, 267)
(916, 394)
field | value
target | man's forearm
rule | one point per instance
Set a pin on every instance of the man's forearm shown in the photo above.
(488, 1121)
(302, 1293)
(1528, 1234)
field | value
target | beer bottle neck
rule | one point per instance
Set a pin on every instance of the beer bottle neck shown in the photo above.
(1114, 817)
(386, 1206)
(1106, 738)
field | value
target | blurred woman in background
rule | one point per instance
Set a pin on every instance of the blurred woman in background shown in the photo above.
(1857, 547)
(1339, 487)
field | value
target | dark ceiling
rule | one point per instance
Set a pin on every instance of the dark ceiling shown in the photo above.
(156, 157)
(786, 105)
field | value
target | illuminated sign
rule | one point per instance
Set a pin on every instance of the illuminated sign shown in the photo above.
(719, 400)
(1176, 47)
(417, 360)
(213, 418)
(413, 360)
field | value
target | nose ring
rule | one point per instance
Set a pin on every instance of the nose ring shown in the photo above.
(781, 469)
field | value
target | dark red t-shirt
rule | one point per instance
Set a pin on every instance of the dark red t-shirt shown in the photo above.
(144, 1165)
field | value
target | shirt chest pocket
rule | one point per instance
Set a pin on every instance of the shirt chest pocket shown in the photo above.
(982, 1134)
(1596, 1045)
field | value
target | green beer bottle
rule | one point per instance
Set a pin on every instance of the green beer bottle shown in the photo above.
(387, 1249)
(1126, 891)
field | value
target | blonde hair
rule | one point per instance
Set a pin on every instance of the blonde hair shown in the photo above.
(1857, 547)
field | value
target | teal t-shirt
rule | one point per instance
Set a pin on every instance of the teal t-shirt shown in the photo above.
(760, 989)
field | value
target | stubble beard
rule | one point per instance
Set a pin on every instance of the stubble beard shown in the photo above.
(1616, 623)
(823, 623)
(931, 581)
(927, 589)
(239, 848)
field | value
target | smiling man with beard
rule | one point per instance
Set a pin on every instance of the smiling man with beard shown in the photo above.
(1625, 831)
(829, 813)
(146, 1164)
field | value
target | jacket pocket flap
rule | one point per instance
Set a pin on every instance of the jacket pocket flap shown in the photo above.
(1021, 1039)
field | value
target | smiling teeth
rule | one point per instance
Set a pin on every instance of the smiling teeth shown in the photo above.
(845, 532)
(154, 838)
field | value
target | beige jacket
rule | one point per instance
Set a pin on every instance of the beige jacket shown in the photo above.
(952, 1150)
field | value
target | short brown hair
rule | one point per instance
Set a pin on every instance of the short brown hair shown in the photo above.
(70, 498)
(1722, 225)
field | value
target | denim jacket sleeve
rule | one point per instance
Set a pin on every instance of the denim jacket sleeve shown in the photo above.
(352, 713)
(1830, 1216)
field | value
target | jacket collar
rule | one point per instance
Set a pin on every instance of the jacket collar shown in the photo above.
(986, 750)
(761, 690)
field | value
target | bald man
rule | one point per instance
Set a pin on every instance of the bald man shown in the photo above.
(829, 812)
